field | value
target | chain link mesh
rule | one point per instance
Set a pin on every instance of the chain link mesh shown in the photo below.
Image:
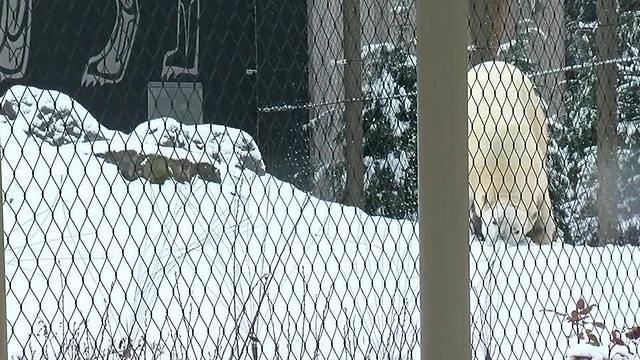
(184, 179)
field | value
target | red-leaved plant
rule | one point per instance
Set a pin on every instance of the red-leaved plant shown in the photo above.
(584, 327)
(582, 322)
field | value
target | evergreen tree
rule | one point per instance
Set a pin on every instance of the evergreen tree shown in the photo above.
(575, 133)
(389, 121)
(389, 129)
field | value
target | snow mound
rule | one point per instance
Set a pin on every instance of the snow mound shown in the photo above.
(51, 116)
(55, 118)
(189, 266)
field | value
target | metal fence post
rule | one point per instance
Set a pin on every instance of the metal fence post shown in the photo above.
(442, 173)
(3, 298)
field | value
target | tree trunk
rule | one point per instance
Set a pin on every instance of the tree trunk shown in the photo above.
(486, 23)
(352, 30)
(606, 162)
(325, 91)
(552, 56)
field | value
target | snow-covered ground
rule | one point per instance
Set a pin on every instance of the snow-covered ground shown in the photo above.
(250, 266)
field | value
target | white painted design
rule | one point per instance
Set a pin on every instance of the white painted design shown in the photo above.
(110, 64)
(183, 59)
(15, 37)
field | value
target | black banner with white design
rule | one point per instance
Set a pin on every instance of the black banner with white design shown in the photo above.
(105, 53)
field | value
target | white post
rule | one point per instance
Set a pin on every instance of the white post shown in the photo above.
(3, 297)
(442, 179)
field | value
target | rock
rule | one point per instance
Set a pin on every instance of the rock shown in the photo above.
(157, 168)
(8, 110)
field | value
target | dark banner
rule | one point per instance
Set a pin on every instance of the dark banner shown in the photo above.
(110, 55)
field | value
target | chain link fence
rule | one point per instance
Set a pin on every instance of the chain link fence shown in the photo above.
(553, 132)
(185, 179)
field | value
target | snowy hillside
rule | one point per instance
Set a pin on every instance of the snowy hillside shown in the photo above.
(244, 264)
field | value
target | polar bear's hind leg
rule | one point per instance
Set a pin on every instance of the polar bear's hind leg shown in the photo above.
(544, 228)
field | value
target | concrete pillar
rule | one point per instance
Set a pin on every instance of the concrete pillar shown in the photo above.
(3, 298)
(442, 179)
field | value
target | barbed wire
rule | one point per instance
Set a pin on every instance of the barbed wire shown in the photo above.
(308, 106)
(585, 66)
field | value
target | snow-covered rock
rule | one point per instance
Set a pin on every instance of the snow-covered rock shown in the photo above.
(227, 145)
(226, 149)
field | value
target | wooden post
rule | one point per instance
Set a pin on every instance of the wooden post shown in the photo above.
(443, 179)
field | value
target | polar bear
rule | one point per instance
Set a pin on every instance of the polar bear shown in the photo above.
(508, 139)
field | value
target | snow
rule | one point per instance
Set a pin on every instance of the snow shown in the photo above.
(591, 25)
(376, 48)
(504, 47)
(204, 270)
(383, 87)
(618, 352)
(591, 352)
(396, 162)
(587, 351)
(629, 129)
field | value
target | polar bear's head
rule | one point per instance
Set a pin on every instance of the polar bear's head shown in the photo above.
(502, 221)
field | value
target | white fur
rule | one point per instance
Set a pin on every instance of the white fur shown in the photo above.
(502, 222)
(507, 146)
